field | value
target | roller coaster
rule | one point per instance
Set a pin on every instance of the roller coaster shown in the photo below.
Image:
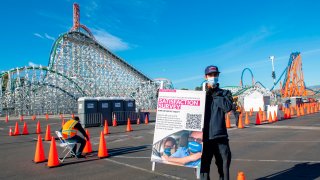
(78, 66)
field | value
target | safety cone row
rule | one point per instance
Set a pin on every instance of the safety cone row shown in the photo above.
(247, 121)
(129, 128)
(33, 117)
(240, 124)
(47, 117)
(103, 151)
(106, 128)
(87, 148)
(72, 115)
(138, 121)
(16, 130)
(114, 120)
(21, 118)
(39, 155)
(270, 117)
(10, 131)
(275, 117)
(7, 118)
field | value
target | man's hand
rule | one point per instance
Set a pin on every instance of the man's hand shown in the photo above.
(196, 156)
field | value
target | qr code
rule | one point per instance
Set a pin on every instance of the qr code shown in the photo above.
(193, 121)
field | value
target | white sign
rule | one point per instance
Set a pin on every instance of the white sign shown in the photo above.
(90, 105)
(104, 105)
(178, 129)
(117, 104)
(130, 104)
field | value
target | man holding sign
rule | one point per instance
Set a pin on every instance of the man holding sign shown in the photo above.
(215, 136)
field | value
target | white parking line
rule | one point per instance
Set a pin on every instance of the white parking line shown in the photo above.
(142, 169)
(289, 127)
(273, 160)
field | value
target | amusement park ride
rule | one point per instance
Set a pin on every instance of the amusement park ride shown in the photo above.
(80, 66)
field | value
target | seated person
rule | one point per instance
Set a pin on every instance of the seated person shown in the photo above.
(189, 155)
(169, 146)
(69, 133)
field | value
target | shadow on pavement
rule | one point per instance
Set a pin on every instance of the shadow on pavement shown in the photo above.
(306, 171)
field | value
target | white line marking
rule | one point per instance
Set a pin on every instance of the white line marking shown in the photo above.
(130, 157)
(272, 160)
(142, 169)
(289, 127)
(275, 141)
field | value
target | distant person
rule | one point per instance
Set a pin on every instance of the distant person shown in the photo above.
(215, 135)
(69, 133)
(189, 155)
(236, 109)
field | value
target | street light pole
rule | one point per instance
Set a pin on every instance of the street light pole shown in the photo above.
(273, 75)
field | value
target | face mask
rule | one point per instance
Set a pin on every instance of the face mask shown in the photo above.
(167, 151)
(194, 147)
(212, 81)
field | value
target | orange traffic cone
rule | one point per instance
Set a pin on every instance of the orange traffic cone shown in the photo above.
(258, 122)
(264, 118)
(47, 117)
(228, 124)
(25, 129)
(105, 129)
(7, 118)
(298, 112)
(38, 130)
(250, 112)
(146, 119)
(88, 147)
(240, 124)
(48, 133)
(138, 121)
(247, 121)
(33, 117)
(53, 159)
(16, 130)
(10, 131)
(21, 117)
(114, 120)
(241, 176)
(270, 117)
(291, 112)
(72, 115)
(61, 116)
(39, 155)
(129, 126)
(103, 151)
(275, 117)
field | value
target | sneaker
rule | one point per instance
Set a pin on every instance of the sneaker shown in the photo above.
(72, 156)
(80, 156)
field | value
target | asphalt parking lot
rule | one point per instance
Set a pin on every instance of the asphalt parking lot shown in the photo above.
(288, 149)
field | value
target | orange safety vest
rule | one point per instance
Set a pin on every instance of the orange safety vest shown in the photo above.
(68, 130)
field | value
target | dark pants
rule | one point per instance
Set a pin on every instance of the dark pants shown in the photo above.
(80, 140)
(236, 116)
(221, 151)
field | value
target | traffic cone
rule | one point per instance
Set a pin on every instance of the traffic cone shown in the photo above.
(240, 124)
(298, 112)
(228, 124)
(72, 115)
(260, 116)
(62, 122)
(105, 129)
(291, 112)
(275, 117)
(258, 122)
(241, 176)
(39, 155)
(47, 117)
(25, 129)
(247, 121)
(7, 118)
(114, 120)
(16, 130)
(103, 151)
(129, 126)
(33, 117)
(48, 133)
(270, 117)
(10, 131)
(21, 118)
(53, 160)
(61, 116)
(88, 147)
(250, 112)
(38, 130)
(146, 119)
(138, 121)
(264, 118)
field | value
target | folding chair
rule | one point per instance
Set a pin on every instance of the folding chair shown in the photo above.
(66, 145)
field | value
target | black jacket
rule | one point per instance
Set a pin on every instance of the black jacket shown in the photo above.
(218, 102)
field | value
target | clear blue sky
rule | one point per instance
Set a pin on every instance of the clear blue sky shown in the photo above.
(173, 39)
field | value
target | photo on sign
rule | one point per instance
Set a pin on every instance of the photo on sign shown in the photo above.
(183, 148)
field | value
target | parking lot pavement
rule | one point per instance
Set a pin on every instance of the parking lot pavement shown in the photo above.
(288, 149)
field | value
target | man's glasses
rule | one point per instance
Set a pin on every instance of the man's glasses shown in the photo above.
(198, 140)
